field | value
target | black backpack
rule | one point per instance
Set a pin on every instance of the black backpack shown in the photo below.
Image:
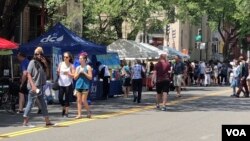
(101, 73)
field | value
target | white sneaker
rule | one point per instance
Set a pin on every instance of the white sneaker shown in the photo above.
(27, 125)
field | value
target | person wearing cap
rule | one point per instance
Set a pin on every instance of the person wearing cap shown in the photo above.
(161, 77)
(83, 76)
(37, 75)
(178, 70)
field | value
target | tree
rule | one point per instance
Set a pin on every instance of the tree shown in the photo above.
(229, 17)
(103, 19)
(10, 11)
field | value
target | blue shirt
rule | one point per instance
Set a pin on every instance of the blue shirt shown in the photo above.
(24, 65)
(82, 82)
(179, 68)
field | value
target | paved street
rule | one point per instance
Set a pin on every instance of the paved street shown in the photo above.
(198, 115)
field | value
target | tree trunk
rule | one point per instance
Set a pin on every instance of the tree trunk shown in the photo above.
(10, 16)
(226, 50)
(117, 23)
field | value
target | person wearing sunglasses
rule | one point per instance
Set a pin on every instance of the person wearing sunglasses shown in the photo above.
(37, 73)
(66, 72)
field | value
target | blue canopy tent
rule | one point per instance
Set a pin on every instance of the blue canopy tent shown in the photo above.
(61, 37)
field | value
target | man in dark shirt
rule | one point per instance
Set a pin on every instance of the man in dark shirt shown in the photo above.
(161, 79)
(178, 69)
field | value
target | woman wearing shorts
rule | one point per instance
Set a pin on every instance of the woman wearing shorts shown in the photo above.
(83, 76)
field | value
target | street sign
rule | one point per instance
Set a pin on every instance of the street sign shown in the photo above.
(202, 45)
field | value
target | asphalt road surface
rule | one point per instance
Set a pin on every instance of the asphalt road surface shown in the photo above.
(197, 116)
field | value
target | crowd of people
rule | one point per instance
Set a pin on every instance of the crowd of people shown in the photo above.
(76, 80)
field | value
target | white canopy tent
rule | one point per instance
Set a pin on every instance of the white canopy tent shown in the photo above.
(172, 52)
(129, 50)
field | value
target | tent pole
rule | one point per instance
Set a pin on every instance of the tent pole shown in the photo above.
(11, 67)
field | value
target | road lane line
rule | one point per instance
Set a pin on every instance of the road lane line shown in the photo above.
(109, 115)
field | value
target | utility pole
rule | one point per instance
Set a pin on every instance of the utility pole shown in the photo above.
(200, 33)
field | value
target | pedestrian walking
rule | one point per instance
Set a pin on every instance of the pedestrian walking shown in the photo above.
(208, 71)
(66, 72)
(235, 76)
(137, 71)
(23, 91)
(178, 70)
(37, 74)
(83, 76)
(161, 77)
(243, 76)
(126, 74)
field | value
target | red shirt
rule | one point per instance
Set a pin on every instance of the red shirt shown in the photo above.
(162, 69)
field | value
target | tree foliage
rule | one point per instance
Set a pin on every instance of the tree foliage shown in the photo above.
(103, 19)
(229, 17)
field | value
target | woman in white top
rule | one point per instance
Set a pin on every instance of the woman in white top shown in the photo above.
(216, 73)
(66, 73)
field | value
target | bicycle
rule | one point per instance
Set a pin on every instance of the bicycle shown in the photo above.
(8, 98)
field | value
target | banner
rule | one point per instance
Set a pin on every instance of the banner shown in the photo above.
(57, 58)
(110, 59)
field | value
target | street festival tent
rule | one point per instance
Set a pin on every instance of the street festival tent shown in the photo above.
(153, 48)
(61, 37)
(173, 52)
(6, 48)
(130, 50)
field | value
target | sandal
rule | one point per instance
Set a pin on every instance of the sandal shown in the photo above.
(89, 114)
(50, 124)
(78, 117)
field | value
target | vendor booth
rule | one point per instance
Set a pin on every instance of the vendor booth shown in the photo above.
(6, 48)
(57, 40)
(8, 89)
(112, 61)
(131, 50)
(61, 37)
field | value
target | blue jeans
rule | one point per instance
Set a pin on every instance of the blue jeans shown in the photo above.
(31, 100)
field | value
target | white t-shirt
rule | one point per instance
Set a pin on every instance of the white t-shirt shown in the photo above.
(65, 80)
(136, 71)
(106, 72)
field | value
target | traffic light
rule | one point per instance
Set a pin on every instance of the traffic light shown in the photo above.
(198, 37)
(167, 29)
